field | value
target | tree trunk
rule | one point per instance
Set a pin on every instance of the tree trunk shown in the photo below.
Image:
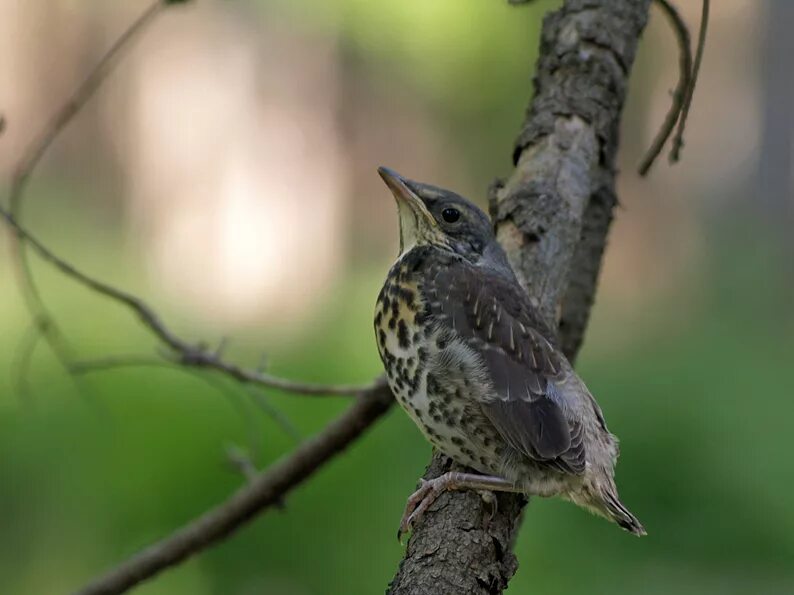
(552, 217)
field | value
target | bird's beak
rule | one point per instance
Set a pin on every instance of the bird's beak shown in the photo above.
(417, 224)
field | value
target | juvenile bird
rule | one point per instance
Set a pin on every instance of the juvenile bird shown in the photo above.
(471, 361)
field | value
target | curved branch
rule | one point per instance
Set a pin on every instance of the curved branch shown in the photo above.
(197, 356)
(678, 141)
(681, 89)
(263, 491)
(44, 323)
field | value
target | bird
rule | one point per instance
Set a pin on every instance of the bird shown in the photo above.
(476, 367)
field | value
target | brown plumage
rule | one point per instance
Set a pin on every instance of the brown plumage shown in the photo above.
(473, 364)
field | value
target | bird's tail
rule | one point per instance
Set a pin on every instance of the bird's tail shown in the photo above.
(602, 500)
(612, 508)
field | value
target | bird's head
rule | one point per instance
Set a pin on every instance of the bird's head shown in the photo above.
(433, 216)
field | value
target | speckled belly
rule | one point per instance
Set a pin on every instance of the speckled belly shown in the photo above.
(432, 378)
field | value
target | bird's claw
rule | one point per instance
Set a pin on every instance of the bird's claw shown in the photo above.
(419, 502)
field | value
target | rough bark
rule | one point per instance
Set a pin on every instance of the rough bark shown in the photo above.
(552, 216)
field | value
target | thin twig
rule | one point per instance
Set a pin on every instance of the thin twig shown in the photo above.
(264, 491)
(241, 462)
(23, 361)
(196, 356)
(33, 154)
(678, 139)
(281, 420)
(189, 355)
(137, 361)
(46, 323)
(684, 78)
(241, 406)
(128, 361)
(117, 361)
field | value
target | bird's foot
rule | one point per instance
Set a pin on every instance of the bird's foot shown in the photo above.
(430, 489)
(421, 500)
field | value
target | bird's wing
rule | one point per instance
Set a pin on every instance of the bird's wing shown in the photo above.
(493, 315)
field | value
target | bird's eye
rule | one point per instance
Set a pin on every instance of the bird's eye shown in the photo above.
(450, 215)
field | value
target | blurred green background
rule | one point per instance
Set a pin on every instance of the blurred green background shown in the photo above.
(226, 173)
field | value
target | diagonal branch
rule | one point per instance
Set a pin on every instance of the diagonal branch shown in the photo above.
(263, 491)
(66, 113)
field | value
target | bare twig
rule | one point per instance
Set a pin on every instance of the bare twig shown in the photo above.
(680, 92)
(141, 361)
(187, 354)
(33, 154)
(136, 361)
(265, 490)
(678, 139)
(241, 462)
(281, 420)
(22, 363)
(241, 405)
(43, 320)
(117, 361)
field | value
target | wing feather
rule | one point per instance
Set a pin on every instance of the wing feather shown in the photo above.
(494, 316)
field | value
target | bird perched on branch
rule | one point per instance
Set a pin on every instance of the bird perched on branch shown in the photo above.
(471, 361)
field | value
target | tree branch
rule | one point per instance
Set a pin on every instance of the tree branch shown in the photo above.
(138, 361)
(678, 140)
(66, 113)
(263, 491)
(681, 88)
(198, 355)
(552, 217)
(43, 322)
(685, 89)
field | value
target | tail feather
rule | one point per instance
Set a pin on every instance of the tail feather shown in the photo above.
(621, 515)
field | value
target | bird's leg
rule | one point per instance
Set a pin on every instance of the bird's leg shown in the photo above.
(430, 489)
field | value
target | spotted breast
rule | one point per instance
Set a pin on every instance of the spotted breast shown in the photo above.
(434, 376)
